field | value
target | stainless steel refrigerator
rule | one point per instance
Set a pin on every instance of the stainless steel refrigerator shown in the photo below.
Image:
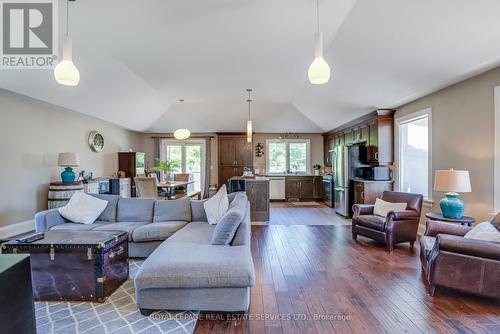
(346, 160)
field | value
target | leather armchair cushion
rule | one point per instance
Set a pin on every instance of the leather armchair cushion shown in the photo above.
(427, 243)
(478, 248)
(371, 221)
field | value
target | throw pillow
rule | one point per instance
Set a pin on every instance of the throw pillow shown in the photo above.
(228, 225)
(83, 208)
(484, 231)
(216, 206)
(382, 207)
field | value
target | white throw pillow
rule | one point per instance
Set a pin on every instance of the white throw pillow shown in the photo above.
(217, 206)
(382, 207)
(83, 208)
(484, 231)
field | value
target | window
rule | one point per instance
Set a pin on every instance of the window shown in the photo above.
(288, 155)
(413, 153)
(189, 156)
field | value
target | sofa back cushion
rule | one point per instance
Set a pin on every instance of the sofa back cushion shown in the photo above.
(135, 210)
(227, 225)
(198, 213)
(175, 210)
(109, 214)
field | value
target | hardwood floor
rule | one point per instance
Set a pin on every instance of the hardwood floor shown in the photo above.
(286, 213)
(318, 271)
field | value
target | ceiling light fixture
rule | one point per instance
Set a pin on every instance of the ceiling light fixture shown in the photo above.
(319, 70)
(66, 72)
(182, 134)
(249, 122)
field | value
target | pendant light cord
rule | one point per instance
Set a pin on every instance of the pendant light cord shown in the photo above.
(317, 13)
(67, 17)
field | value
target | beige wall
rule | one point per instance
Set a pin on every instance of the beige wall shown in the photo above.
(32, 133)
(147, 146)
(463, 136)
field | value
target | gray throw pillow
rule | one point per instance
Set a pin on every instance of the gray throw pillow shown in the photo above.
(228, 225)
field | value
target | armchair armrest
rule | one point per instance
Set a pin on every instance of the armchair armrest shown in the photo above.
(362, 209)
(44, 220)
(403, 215)
(472, 247)
(433, 228)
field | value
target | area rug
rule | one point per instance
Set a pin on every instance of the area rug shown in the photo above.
(119, 314)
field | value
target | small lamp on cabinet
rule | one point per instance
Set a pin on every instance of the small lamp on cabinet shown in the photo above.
(452, 182)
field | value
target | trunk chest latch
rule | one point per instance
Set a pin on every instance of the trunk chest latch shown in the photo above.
(89, 253)
(52, 253)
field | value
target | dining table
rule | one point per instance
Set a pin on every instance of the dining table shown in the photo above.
(169, 186)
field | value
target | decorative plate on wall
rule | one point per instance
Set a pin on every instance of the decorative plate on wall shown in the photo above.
(96, 141)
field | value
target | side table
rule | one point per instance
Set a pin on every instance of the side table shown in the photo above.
(465, 220)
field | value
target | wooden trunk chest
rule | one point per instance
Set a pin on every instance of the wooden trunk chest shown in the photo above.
(75, 265)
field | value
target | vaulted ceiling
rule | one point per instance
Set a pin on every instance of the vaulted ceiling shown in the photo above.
(138, 58)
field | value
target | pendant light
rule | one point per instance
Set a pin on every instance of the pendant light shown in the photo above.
(66, 72)
(249, 122)
(319, 71)
(182, 134)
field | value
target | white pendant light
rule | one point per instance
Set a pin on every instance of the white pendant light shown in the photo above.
(66, 72)
(182, 134)
(249, 122)
(319, 70)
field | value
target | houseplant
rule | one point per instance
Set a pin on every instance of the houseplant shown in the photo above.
(316, 168)
(166, 167)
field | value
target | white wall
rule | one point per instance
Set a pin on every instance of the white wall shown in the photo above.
(32, 133)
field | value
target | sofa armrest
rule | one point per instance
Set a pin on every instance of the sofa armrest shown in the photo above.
(472, 247)
(433, 228)
(363, 209)
(403, 215)
(44, 220)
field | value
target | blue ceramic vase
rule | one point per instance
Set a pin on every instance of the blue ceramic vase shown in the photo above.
(68, 176)
(452, 206)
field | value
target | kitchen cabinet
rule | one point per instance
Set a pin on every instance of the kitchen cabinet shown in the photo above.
(235, 153)
(366, 192)
(303, 187)
(328, 145)
(380, 141)
(348, 137)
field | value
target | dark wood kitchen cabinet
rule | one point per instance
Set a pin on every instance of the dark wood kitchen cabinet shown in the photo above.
(380, 141)
(235, 153)
(303, 187)
(366, 192)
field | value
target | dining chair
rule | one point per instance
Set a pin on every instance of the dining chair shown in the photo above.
(182, 177)
(146, 187)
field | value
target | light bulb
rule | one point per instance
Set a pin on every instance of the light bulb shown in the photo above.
(249, 131)
(319, 70)
(182, 134)
(66, 72)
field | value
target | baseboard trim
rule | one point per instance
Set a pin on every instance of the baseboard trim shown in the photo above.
(16, 229)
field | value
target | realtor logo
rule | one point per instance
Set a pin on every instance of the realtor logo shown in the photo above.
(29, 34)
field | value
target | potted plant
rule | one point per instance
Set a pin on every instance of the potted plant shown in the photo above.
(317, 169)
(166, 167)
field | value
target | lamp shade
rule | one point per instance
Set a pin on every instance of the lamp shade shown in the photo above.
(68, 159)
(452, 181)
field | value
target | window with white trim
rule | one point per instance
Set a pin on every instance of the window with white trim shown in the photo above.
(288, 155)
(413, 161)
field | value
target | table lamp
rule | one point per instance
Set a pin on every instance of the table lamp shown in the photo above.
(452, 182)
(68, 160)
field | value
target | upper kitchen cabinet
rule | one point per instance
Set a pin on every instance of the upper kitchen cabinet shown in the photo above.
(375, 129)
(381, 141)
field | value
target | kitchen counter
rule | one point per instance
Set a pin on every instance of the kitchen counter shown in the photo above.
(373, 181)
(292, 175)
(257, 190)
(250, 179)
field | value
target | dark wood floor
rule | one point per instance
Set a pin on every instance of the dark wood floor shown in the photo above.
(303, 271)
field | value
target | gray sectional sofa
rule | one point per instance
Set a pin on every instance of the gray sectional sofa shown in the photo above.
(183, 270)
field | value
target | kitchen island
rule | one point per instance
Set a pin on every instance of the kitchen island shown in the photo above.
(257, 190)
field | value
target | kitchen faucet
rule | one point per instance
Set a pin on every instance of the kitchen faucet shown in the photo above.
(294, 168)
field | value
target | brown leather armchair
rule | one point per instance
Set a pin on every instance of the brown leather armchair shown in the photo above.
(396, 227)
(452, 261)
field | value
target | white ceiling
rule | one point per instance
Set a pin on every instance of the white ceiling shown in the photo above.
(137, 58)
